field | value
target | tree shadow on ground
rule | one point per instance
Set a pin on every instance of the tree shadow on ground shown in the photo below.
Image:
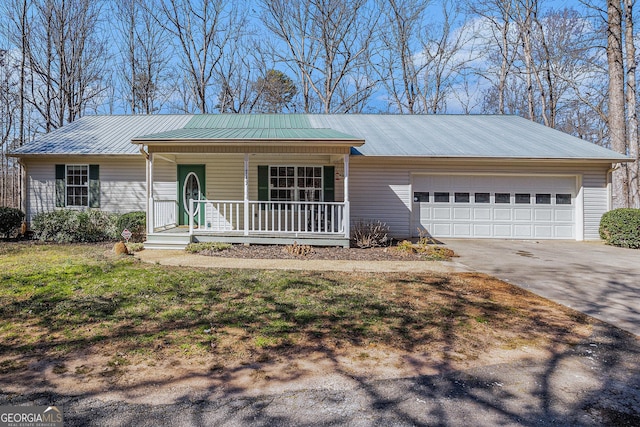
(592, 381)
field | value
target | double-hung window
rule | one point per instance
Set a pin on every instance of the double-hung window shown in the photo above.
(295, 183)
(77, 185)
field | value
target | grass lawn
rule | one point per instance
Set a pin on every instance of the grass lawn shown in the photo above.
(61, 300)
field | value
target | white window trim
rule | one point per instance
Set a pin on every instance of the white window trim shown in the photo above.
(66, 186)
(295, 189)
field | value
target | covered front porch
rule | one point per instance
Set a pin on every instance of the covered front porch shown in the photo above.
(265, 186)
(248, 221)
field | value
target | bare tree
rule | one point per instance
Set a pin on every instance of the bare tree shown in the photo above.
(66, 58)
(145, 64)
(446, 54)
(202, 32)
(237, 72)
(328, 45)
(499, 15)
(9, 121)
(400, 30)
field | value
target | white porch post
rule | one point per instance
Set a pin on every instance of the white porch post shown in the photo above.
(150, 206)
(246, 194)
(347, 214)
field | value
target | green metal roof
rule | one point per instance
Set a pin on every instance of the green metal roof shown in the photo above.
(249, 121)
(250, 135)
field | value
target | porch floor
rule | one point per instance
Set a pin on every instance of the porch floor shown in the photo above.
(178, 238)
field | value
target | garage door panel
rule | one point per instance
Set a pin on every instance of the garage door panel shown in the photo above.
(441, 229)
(482, 214)
(564, 215)
(441, 213)
(482, 230)
(522, 214)
(461, 213)
(462, 230)
(502, 230)
(523, 230)
(543, 215)
(543, 231)
(564, 231)
(502, 214)
(476, 211)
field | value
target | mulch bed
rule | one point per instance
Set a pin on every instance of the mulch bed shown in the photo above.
(322, 253)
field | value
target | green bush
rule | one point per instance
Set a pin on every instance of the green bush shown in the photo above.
(621, 227)
(136, 223)
(10, 220)
(67, 226)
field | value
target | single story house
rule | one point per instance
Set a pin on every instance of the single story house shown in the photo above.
(281, 178)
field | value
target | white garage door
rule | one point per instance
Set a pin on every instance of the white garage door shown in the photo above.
(518, 207)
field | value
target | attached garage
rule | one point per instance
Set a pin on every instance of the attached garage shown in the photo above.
(495, 206)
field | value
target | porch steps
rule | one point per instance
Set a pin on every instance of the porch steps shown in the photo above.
(167, 241)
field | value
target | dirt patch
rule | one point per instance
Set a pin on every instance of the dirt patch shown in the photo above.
(389, 253)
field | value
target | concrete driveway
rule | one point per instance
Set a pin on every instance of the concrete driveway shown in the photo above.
(601, 281)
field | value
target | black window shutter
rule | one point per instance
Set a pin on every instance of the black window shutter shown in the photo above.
(263, 183)
(94, 186)
(60, 185)
(329, 184)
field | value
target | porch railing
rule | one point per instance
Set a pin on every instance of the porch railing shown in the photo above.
(299, 218)
(165, 213)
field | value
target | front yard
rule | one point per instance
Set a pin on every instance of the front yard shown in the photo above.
(86, 318)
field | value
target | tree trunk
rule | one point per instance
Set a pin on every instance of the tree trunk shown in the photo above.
(632, 114)
(616, 122)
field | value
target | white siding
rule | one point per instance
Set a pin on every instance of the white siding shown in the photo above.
(381, 193)
(381, 187)
(595, 202)
(122, 183)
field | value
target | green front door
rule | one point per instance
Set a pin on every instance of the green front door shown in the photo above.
(191, 185)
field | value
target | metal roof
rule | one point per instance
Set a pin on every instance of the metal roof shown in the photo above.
(103, 135)
(456, 136)
(250, 121)
(463, 136)
(249, 135)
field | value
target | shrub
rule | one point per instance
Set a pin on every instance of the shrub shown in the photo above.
(67, 226)
(370, 234)
(199, 247)
(10, 220)
(136, 223)
(621, 227)
(135, 247)
(298, 250)
(428, 251)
